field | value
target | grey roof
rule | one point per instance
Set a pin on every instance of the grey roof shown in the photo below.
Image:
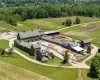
(27, 45)
(51, 32)
(59, 41)
(87, 41)
(29, 34)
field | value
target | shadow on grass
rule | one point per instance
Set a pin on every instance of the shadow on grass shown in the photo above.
(92, 76)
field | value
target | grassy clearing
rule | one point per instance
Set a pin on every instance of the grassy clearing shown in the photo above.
(4, 44)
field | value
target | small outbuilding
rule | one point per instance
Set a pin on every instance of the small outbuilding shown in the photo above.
(85, 43)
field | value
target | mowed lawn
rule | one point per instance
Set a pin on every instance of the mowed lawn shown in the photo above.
(4, 44)
(11, 72)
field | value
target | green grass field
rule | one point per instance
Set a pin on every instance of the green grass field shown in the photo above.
(46, 23)
(4, 44)
(53, 73)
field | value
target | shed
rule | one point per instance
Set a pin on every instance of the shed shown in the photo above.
(85, 43)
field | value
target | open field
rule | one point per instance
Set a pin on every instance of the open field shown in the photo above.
(46, 23)
(11, 72)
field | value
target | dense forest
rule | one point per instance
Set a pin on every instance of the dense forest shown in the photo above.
(10, 3)
(14, 14)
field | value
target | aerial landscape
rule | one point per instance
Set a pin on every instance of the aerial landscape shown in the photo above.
(49, 40)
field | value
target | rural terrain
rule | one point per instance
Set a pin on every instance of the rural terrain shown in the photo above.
(20, 68)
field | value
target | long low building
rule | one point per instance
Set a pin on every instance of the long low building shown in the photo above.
(68, 45)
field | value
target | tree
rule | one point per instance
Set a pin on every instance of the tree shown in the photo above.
(89, 49)
(3, 51)
(68, 22)
(10, 51)
(95, 67)
(66, 58)
(52, 55)
(77, 20)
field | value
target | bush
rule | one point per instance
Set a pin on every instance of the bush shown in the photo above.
(68, 22)
(77, 20)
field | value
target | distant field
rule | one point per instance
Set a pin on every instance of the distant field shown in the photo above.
(46, 23)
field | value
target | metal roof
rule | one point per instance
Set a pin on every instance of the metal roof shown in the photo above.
(59, 41)
(87, 41)
(51, 32)
(29, 34)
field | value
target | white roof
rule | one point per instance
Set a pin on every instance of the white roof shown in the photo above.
(77, 48)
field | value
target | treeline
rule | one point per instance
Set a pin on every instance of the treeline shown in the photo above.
(13, 3)
(13, 15)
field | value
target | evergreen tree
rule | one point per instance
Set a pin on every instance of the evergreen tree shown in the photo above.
(89, 49)
(66, 58)
(95, 67)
